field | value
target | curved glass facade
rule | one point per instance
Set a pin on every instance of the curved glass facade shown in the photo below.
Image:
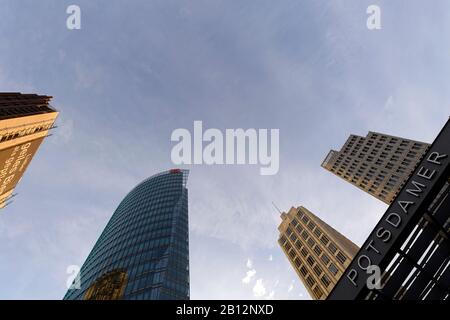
(143, 253)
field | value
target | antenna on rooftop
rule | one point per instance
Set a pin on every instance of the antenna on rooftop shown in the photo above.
(273, 203)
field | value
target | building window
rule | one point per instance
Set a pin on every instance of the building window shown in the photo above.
(324, 240)
(325, 259)
(304, 235)
(310, 260)
(303, 271)
(317, 250)
(317, 270)
(293, 237)
(341, 258)
(332, 248)
(310, 281)
(318, 292)
(333, 269)
(317, 232)
(292, 254)
(325, 280)
(304, 252)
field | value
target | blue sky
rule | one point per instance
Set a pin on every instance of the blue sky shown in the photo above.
(139, 69)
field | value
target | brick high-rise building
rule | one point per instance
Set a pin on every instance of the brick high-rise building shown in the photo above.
(318, 253)
(25, 120)
(378, 164)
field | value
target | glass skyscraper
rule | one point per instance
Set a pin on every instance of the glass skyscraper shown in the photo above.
(143, 253)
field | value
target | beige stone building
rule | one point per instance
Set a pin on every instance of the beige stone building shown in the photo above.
(378, 164)
(25, 120)
(317, 252)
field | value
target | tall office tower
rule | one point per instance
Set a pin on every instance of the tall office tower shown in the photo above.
(25, 120)
(143, 253)
(318, 253)
(378, 164)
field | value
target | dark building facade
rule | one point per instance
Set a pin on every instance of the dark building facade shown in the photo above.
(143, 253)
(16, 105)
(410, 245)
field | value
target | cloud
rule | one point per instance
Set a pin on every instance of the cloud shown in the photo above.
(229, 216)
(389, 104)
(126, 99)
(88, 77)
(249, 276)
(291, 287)
(259, 290)
(64, 132)
(270, 258)
(249, 263)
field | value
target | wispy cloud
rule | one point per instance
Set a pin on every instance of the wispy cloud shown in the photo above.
(291, 287)
(311, 69)
(259, 290)
(249, 276)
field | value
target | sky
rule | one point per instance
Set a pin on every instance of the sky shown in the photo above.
(139, 69)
